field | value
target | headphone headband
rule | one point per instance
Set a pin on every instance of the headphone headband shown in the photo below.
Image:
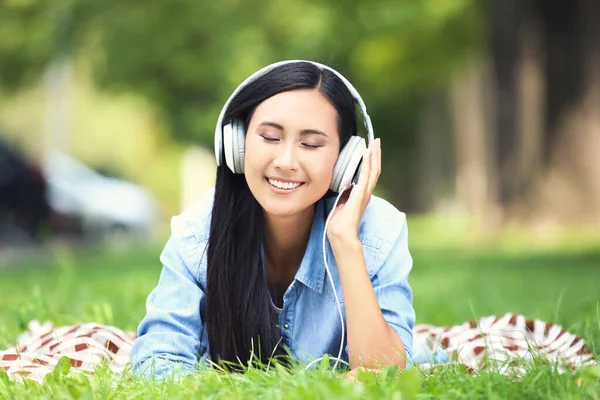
(264, 70)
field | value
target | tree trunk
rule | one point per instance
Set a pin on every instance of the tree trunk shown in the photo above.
(530, 105)
(470, 110)
(506, 21)
(434, 159)
(570, 189)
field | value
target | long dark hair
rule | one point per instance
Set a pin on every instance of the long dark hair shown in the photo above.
(238, 304)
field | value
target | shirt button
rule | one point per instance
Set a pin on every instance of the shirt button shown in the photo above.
(286, 326)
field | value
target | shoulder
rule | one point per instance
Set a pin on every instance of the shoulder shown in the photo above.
(195, 219)
(381, 224)
(382, 232)
(189, 235)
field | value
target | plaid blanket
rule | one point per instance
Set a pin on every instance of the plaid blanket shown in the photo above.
(506, 342)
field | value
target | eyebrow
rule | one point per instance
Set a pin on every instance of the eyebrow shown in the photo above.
(303, 132)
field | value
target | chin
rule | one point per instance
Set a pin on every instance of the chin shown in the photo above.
(283, 210)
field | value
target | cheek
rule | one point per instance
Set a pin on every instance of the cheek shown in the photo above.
(254, 156)
(322, 167)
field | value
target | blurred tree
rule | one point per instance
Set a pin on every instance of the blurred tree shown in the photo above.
(25, 42)
(188, 56)
(33, 32)
(524, 109)
(556, 46)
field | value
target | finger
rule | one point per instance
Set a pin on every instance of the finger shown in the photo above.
(373, 169)
(378, 163)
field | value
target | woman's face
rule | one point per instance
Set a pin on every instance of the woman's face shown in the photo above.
(292, 145)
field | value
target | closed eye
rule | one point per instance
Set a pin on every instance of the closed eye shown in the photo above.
(270, 139)
(310, 146)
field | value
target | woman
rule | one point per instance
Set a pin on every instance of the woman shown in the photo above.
(244, 272)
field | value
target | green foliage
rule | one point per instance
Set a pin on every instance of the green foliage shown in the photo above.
(33, 32)
(187, 56)
(62, 369)
(190, 61)
(25, 42)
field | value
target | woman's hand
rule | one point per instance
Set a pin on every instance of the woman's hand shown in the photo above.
(345, 221)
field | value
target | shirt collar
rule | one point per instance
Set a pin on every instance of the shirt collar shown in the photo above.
(312, 269)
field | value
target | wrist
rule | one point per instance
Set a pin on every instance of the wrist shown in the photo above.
(345, 243)
(350, 262)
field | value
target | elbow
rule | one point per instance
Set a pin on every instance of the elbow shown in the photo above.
(387, 351)
(159, 356)
(160, 368)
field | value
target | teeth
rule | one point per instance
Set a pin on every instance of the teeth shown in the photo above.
(283, 185)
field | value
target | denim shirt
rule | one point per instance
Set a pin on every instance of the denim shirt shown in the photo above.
(169, 337)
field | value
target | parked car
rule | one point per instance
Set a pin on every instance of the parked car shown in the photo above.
(24, 211)
(105, 205)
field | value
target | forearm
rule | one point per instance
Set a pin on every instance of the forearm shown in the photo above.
(371, 341)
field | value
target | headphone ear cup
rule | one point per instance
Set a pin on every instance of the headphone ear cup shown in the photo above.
(228, 145)
(239, 143)
(347, 164)
(219, 146)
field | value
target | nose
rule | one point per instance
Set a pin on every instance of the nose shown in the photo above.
(285, 159)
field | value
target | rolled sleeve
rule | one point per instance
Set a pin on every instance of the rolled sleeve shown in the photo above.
(393, 291)
(169, 337)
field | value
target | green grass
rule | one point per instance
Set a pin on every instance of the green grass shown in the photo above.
(454, 279)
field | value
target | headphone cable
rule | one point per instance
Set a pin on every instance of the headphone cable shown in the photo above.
(337, 359)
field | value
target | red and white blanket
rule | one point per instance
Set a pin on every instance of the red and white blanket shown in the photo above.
(507, 342)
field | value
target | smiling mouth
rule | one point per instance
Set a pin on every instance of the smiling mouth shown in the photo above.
(284, 185)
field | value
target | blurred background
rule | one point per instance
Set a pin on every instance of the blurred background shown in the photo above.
(489, 111)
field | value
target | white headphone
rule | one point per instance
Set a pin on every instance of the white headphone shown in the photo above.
(230, 139)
